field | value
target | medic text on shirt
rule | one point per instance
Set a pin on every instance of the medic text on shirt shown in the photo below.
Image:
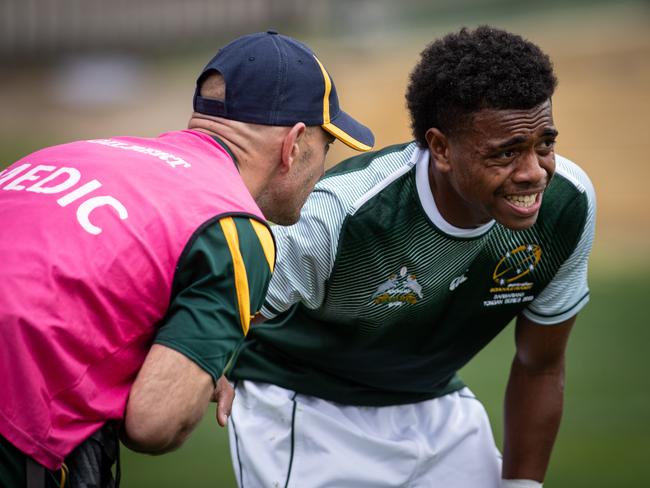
(50, 180)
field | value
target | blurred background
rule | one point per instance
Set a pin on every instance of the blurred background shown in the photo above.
(74, 69)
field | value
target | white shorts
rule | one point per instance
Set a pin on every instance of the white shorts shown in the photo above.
(280, 439)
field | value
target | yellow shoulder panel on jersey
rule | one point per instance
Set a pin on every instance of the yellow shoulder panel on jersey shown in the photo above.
(241, 280)
(264, 235)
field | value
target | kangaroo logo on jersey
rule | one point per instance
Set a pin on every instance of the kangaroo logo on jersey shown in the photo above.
(511, 268)
(400, 288)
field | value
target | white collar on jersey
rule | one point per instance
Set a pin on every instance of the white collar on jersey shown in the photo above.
(429, 204)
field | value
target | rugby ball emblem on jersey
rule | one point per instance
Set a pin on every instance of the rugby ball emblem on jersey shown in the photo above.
(517, 263)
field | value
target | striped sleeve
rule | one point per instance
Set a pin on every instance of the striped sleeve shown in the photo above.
(306, 253)
(220, 284)
(307, 250)
(568, 292)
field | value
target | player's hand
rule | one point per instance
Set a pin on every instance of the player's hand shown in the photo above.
(224, 394)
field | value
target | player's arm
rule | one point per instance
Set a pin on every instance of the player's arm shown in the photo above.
(220, 283)
(534, 398)
(167, 400)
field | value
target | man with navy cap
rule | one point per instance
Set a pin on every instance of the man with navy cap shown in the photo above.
(142, 260)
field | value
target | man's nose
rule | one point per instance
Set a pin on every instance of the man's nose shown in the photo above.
(530, 169)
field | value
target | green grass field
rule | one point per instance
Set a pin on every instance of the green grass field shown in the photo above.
(603, 441)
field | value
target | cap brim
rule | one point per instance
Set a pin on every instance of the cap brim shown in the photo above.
(350, 132)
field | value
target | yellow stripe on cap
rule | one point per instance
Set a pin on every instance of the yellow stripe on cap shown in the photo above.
(266, 240)
(346, 138)
(326, 96)
(342, 136)
(241, 280)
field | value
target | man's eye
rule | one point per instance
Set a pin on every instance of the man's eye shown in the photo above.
(547, 145)
(506, 155)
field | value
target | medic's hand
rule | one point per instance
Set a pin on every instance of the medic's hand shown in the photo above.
(224, 394)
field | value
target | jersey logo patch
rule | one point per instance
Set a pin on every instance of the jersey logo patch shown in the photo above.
(512, 267)
(517, 264)
(456, 282)
(400, 288)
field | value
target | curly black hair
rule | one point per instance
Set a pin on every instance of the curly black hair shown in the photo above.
(467, 71)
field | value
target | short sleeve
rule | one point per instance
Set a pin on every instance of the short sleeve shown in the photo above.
(568, 292)
(221, 280)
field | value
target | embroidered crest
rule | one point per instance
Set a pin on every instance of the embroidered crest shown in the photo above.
(400, 288)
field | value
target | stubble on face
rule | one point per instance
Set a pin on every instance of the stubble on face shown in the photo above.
(289, 196)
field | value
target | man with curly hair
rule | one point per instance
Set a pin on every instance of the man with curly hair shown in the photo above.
(405, 263)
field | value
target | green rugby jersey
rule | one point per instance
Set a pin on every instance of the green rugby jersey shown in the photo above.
(220, 282)
(377, 300)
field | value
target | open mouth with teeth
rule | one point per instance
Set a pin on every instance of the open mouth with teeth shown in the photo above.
(522, 201)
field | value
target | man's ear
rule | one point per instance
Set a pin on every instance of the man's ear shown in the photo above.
(439, 149)
(290, 145)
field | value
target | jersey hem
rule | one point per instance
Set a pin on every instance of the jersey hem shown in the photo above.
(268, 312)
(555, 319)
(189, 355)
(29, 446)
(366, 398)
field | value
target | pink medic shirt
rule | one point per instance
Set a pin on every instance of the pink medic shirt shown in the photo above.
(91, 233)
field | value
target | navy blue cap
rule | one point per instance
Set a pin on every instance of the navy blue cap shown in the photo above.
(273, 79)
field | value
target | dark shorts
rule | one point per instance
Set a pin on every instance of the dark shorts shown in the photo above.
(90, 464)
